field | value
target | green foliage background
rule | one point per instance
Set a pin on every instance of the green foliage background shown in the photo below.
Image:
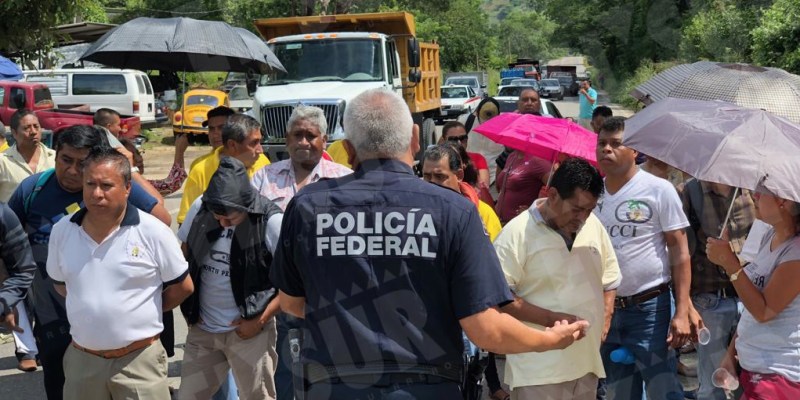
(625, 40)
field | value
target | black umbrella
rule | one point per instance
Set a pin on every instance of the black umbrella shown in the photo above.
(182, 44)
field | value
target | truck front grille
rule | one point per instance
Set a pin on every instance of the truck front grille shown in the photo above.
(275, 117)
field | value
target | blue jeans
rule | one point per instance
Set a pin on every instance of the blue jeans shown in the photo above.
(284, 386)
(720, 316)
(643, 329)
(228, 390)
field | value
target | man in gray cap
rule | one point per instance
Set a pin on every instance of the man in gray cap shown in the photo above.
(229, 236)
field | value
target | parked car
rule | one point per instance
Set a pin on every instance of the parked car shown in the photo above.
(162, 116)
(239, 98)
(476, 80)
(457, 100)
(126, 91)
(527, 82)
(196, 104)
(551, 89)
(509, 96)
(569, 83)
(36, 97)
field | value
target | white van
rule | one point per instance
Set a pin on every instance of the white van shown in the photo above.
(127, 91)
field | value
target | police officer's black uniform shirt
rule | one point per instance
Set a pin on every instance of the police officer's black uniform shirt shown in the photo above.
(388, 264)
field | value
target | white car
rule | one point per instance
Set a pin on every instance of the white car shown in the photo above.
(457, 100)
(508, 96)
(240, 101)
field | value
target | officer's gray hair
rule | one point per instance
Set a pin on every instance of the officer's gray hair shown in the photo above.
(378, 124)
(312, 114)
(238, 128)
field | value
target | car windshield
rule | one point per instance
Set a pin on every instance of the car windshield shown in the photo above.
(327, 60)
(550, 82)
(462, 81)
(513, 91)
(564, 80)
(454, 93)
(202, 99)
(526, 82)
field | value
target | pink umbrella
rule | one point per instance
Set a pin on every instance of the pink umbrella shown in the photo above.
(541, 136)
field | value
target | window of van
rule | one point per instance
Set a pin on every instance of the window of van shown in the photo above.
(140, 83)
(98, 84)
(56, 82)
(147, 84)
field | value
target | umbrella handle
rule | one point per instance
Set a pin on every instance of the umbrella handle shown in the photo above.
(728, 215)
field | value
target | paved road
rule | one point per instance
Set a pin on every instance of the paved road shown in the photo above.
(17, 385)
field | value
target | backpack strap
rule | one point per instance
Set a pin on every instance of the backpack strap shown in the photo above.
(43, 179)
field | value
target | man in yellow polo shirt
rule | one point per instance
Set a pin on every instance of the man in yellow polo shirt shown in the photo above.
(442, 165)
(241, 138)
(559, 262)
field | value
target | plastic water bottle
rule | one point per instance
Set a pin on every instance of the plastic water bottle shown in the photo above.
(622, 355)
(703, 336)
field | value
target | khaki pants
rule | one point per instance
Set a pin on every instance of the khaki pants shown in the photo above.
(141, 374)
(584, 388)
(208, 356)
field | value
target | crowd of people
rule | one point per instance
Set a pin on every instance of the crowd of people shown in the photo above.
(387, 275)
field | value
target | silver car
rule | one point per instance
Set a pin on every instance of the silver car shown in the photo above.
(551, 89)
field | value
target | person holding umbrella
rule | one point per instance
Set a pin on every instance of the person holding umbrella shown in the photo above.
(768, 288)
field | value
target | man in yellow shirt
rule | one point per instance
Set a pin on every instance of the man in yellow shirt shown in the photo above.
(241, 138)
(559, 262)
(215, 120)
(442, 165)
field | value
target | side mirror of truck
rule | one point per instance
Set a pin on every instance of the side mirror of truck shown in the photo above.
(413, 53)
(251, 84)
(414, 76)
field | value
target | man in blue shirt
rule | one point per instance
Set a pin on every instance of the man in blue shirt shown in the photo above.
(387, 270)
(39, 202)
(587, 97)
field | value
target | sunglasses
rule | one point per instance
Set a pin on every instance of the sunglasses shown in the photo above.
(457, 138)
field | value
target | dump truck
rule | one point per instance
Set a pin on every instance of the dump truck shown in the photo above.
(330, 59)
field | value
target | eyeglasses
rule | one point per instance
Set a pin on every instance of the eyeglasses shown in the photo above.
(461, 138)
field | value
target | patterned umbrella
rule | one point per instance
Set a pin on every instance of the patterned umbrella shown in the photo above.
(770, 89)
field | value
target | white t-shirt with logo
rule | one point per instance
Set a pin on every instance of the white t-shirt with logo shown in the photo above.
(636, 218)
(772, 347)
(217, 306)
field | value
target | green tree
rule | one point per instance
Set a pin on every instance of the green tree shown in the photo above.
(776, 40)
(721, 32)
(463, 33)
(526, 34)
(27, 25)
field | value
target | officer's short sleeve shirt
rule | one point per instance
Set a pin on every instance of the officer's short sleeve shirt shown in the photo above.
(387, 264)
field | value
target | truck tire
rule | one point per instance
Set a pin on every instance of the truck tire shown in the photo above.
(427, 134)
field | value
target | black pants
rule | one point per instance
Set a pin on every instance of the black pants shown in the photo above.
(53, 340)
(167, 337)
(492, 378)
(416, 391)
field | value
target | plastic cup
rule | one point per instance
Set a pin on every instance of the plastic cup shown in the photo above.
(722, 379)
(703, 336)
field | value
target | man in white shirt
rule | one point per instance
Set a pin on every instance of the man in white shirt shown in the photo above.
(119, 268)
(560, 264)
(644, 218)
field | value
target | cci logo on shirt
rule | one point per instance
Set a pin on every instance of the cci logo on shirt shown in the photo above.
(408, 232)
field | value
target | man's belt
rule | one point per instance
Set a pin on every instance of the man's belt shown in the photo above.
(641, 297)
(121, 352)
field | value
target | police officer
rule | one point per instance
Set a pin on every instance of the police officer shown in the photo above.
(387, 269)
